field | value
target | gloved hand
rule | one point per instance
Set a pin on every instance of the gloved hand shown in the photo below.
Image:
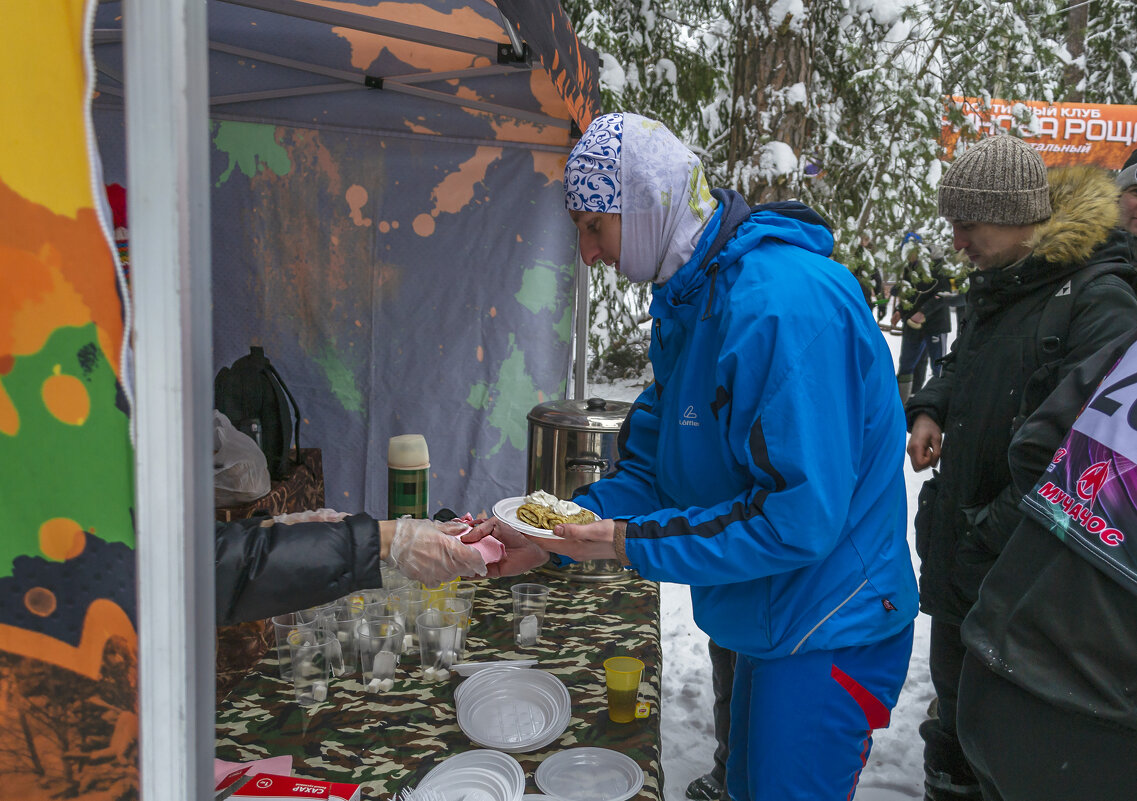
(311, 516)
(423, 553)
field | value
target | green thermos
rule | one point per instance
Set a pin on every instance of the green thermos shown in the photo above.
(408, 469)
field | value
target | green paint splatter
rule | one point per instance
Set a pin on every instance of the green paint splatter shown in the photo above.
(539, 287)
(246, 144)
(341, 379)
(508, 399)
(84, 473)
(563, 326)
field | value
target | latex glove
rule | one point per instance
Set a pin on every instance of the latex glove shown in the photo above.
(311, 516)
(423, 553)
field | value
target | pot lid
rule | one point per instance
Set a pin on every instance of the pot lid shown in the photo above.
(582, 414)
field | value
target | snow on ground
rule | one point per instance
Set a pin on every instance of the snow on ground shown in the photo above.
(895, 768)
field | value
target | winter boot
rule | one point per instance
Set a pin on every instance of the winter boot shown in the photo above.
(706, 788)
(905, 384)
(940, 786)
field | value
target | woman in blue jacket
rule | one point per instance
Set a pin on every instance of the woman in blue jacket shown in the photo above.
(764, 465)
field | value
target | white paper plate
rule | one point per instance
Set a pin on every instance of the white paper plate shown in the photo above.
(491, 775)
(589, 774)
(506, 511)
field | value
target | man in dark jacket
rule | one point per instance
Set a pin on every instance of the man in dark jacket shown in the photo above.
(1028, 240)
(1047, 707)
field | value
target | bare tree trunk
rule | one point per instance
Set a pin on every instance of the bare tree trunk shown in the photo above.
(30, 740)
(769, 60)
(1076, 21)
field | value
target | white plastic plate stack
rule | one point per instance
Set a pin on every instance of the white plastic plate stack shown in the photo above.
(513, 710)
(479, 774)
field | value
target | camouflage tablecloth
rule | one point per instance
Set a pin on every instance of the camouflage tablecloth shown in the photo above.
(388, 740)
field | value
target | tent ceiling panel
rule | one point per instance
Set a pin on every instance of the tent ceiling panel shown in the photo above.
(441, 67)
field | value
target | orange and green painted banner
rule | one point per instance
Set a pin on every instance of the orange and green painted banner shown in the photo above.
(68, 641)
(1062, 133)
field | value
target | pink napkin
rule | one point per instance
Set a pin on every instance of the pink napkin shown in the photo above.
(490, 548)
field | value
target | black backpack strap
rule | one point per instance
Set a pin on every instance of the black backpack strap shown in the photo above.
(1054, 322)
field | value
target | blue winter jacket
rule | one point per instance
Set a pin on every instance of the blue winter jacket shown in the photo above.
(764, 465)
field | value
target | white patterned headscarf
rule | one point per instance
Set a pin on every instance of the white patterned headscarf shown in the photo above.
(632, 166)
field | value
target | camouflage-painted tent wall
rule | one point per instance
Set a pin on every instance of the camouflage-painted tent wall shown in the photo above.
(402, 252)
(68, 642)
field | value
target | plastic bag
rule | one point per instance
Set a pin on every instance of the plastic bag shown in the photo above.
(240, 470)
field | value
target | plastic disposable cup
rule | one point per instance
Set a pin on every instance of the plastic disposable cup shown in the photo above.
(379, 648)
(344, 625)
(466, 590)
(439, 594)
(285, 627)
(406, 605)
(529, 601)
(457, 610)
(437, 634)
(393, 579)
(313, 663)
(622, 676)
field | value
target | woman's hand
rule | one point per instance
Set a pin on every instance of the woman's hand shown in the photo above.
(521, 553)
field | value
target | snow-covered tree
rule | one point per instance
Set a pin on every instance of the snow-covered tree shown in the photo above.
(840, 102)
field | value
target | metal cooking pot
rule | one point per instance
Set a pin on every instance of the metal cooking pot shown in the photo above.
(571, 444)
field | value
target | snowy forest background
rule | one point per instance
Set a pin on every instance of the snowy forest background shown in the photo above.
(837, 103)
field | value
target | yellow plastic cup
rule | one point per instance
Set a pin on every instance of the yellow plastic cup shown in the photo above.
(622, 676)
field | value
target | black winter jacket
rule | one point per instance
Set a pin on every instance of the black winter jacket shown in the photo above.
(1047, 619)
(994, 376)
(265, 570)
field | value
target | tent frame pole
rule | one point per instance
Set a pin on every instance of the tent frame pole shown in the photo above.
(167, 159)
(580, 354)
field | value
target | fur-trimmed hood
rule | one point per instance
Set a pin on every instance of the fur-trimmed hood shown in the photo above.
(1084, 203)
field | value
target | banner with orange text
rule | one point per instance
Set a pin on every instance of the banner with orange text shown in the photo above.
(1062, 133)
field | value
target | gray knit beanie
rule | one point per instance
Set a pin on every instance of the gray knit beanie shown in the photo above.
(999, 180)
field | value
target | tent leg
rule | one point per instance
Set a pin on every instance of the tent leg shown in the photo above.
(580, 354)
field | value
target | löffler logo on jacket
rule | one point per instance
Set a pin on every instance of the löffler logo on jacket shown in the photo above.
(690, 418)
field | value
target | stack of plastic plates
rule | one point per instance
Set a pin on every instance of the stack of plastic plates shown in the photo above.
(481, 775)
(590, 774)
(513, 710)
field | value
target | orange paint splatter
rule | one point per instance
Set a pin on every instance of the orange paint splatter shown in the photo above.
(66, 398)
(358, 324)
(423, 225)
(551, 165)
(493, 311)
(384, 226)
(40, 601)
(61, 538)
(457, 189)
(367, 47)
(356, 197)
(480, 354)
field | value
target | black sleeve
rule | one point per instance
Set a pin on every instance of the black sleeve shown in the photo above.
(265, 570)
